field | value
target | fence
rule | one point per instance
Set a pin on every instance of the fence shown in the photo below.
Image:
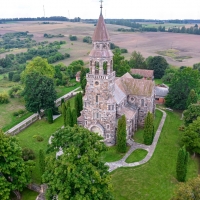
(27, 122)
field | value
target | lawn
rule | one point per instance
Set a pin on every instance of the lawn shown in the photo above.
(112, 155)
(137, 155)
(43, 129)
(155, 180)
(29, 194)
(138, 135)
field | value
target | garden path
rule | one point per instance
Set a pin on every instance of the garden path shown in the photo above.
(134, 146)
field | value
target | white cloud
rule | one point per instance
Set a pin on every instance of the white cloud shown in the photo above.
(154, 9)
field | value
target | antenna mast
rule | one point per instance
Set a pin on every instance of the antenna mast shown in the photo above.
(44, 11)
(101, 1)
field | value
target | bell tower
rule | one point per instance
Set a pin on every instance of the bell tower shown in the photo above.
(99, 106)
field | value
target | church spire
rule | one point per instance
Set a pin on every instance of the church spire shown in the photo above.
(101, 1)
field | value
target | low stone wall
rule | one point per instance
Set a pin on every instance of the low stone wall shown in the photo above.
(24, 124)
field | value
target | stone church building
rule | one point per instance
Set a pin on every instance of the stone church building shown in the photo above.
(108, 97)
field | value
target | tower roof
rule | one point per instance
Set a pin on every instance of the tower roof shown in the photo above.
(100, 33)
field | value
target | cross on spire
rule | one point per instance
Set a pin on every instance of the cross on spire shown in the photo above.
(101, 1)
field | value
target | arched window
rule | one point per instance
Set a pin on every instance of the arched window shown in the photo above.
(90, 62)
(105, 68)
(142, 102)
(111, 65)
(96, 67)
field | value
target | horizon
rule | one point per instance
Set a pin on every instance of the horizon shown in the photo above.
(112, 9)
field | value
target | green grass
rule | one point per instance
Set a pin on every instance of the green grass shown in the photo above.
(112, 155)
(155, 180)
(138, 135)
(137, 155)
(29, 194)
(158, 81)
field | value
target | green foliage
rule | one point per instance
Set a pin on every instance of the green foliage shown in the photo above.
(72, 37)
(74, 67)
(15, 91)
(40, 66)
(181, 165)
(4, 98)
(10, 76)
(169, 75)
(79, 172)
(87, 39)
(191, 113)
(50, 115)
(148, 129)
(69, 119)
(188, 191)
(192, 98)
(16, 77)
(52, 36)
(137, 76)
(39, 92)
(196, 66)
(83, 80)
(19, 112)
(158, 64)
(120, 65)
(64, 113)
(137, 61)
(124, 50)
(184, 80)
(74, 117)
(42, 161)
(121, 135)
(15, 172)
(28, 154)
(38, 138)
(113, 46)
(191, 137)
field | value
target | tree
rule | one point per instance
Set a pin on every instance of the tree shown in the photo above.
(39, 65)
(159, 65)
(182, 83)
(83, 80)
(137, 61)
(181, 165)
(121, 135)
(74, 117)
(191, 137)
(50, 115)
(189, 190)
(148, 129)
(196, 66)
(39, 92)
(69, 120)
(79, 172)
(42, 161)
(14, 171)
(64, 113)
(191, 113)
(192, 98)
(80, 102)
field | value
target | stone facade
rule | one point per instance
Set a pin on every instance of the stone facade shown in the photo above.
(107, 98)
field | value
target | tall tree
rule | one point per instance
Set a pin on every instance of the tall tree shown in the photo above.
(121, 135)
(159, 65)
(80, 102)
(83, 80)
(39, 65)
(79, 172)
(74, 117)
(69, 119)
(64, 113)
(50, 115)
(148, 129)
(191, 137)
(14, 171)
(182, 83)
(192, 98)
(39, 92)
(181, 165)
(137, 61)
(191, 113)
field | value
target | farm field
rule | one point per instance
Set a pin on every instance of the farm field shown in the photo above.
(148, 43)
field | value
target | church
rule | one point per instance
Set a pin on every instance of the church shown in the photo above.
(108, 97)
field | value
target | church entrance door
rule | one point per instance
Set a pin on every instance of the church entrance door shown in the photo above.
(97, 129)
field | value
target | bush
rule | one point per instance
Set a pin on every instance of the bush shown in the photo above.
(38, 138)
(19, 112)
(10, 76)
(87, 39)
(15, 91)
(124, 51)
(28, 154)
(72, 37)
(50, 116)
(137, 76)
(4, 98)
(16, 78)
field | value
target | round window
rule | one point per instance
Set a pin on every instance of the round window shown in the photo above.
(132, 99)
(96, 83)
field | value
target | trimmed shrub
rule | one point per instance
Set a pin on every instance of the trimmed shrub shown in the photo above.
(50, 116)
(148, 129)
(38, 138)
(72, 37)
(4, 98)
(28, 154)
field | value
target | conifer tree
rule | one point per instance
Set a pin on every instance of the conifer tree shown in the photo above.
(74, 117)
(68, 104)
(62, 101)
(50, 116)
(192, 98)
(41, 161)
(69, 121)
(64, 113)
(76, 105)
(80, 102)
(121, 135)
(148, 129)
(181, 165)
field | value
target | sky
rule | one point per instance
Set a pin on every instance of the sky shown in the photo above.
(89, 9)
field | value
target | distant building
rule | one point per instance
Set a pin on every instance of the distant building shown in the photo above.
(107, 97)
(78, 76)
(147, 74)
(160, 93)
